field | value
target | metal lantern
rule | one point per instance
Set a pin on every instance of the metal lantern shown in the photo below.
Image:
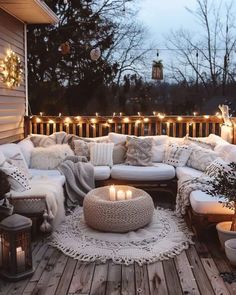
(157, 70)
(15, 247)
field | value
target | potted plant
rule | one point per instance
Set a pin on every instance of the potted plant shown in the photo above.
(224, 184)
(6, 208)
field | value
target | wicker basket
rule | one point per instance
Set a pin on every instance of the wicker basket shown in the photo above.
(28, 204)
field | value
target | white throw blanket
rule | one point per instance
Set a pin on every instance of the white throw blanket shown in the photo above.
(54, 197)
(185, 187)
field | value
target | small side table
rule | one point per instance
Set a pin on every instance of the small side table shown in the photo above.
(117, 216)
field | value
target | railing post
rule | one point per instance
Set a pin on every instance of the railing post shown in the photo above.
(27, 123)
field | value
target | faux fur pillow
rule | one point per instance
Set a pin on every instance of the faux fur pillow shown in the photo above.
(139, 151)
(49, 157)
(200, 158)
(177, 155)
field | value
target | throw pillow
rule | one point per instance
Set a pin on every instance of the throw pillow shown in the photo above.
(42, 140)
(50, 157)
(117, 137)
(202, 142)
(158, 153)
(217, 165)
(119, 153)
(101, 153)
(19, 162)
(177, 155)
(17, 179)
(81, 148)
(139, 151)
(200, 158)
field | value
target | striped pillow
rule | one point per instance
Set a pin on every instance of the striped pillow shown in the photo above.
(101, 153)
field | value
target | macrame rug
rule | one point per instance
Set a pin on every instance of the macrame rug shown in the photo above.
(165, 237)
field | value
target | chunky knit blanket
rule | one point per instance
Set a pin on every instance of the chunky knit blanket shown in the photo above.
(79, 176)
(185, 187)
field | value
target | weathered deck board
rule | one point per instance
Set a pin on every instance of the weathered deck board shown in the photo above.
(172, 278)
(157, 281)
(114, 279)
(128, 284)
(99, 279)
(141, 279)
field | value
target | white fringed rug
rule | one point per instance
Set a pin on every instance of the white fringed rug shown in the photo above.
(165, 237)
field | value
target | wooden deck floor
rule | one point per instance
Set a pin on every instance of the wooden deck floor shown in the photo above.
(194, 271)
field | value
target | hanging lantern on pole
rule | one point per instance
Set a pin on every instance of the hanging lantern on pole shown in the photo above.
(157, 70)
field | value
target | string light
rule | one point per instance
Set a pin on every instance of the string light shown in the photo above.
(145, 120)
(78, 118)
(38, 120)
(93, 120)
(67, 120)
(206, 116)
(126, 120)
(11, 69)
(41, 114)
(59, 115)
(51, 121)
(195, 114)
(110, 121)
(179, 118)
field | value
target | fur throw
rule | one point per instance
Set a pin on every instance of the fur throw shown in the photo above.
(54, 197)
(50, 157)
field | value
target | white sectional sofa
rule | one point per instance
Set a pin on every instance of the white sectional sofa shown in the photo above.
(162, 173)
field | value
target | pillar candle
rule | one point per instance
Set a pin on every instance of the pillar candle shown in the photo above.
(20, 257)
(120, 195)
(128, 195)
(112, 193)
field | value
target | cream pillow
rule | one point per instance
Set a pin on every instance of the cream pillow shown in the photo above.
(139, 151)
(200, 158)
(101, 153)
(177, 155)
(48, 158)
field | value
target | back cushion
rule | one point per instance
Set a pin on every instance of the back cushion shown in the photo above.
(10, 150)
(117, 138)
(26, 147)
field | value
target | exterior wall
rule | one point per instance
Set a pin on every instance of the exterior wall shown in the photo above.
(12, 101)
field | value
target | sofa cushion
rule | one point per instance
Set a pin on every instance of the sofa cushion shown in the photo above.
(227, 152)
(187, 172)
(26, 147)
(158, 171)
(54, 175)
(102, 172)
(117, 138)
(203, 203)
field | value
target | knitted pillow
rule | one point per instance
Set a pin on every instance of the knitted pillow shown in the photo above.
(139, 151)
(177, 155)
(200, 158)
(18, 180)
(19, 162)
(81, 148)
(101, 153)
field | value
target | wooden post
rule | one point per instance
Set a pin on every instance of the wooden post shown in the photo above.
(27, 123)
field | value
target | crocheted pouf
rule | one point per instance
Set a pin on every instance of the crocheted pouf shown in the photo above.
(117, 216)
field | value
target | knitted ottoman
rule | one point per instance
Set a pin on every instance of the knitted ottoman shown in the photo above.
(117, 216)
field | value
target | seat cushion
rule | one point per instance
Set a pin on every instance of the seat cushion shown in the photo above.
(203, 203)
(54, 175)
(187, 172)
(102, 172)
(158, 171)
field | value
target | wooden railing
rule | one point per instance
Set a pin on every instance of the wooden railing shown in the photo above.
(176, 126)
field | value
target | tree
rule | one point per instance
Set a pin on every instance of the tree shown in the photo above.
(68, 83)
(209, 56)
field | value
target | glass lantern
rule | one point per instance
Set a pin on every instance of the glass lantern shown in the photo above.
(16, 255)
(157, 70)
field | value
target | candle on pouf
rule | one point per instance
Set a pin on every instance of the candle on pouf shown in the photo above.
(112, 193)
(128, 195)
(120, 195)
